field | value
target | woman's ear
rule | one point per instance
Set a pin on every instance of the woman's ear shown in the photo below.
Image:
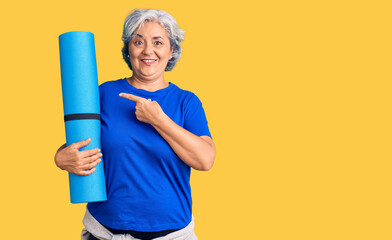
(171, 52)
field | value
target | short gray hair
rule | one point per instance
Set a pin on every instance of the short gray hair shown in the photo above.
(135, 20)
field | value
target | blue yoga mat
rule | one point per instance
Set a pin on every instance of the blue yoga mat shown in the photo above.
(79, 81)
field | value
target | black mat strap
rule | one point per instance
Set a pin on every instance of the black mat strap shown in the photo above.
(79, 116)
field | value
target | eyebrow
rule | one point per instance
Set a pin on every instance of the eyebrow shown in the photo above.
(152, 38)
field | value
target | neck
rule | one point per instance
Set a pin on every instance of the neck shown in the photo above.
(147, 84)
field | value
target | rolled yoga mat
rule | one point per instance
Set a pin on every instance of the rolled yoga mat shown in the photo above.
(79, 81)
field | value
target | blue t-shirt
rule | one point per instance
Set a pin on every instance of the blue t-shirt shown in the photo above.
(147, 183)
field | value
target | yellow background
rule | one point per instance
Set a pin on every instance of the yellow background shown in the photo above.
(297, 95)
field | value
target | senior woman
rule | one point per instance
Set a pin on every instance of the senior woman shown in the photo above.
(153, 133)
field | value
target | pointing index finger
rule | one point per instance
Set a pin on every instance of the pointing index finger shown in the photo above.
(130, 97)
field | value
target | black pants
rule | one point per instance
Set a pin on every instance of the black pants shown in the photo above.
(137, 234)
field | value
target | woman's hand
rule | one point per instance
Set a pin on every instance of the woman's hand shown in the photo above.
(196, 151)
(146, 110)
(75, 161)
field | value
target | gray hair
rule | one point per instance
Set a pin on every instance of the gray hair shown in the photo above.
(135, 21)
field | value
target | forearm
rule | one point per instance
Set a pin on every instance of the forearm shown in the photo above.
(195, 151)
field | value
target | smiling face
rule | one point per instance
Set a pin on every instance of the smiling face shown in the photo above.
(149, 51)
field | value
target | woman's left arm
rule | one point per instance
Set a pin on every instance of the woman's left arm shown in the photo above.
(196, 151)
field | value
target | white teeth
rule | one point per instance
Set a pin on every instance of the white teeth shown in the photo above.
(148, 60)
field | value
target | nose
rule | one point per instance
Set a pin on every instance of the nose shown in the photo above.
(148, 49)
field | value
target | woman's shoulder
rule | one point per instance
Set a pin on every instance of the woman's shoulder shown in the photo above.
(183, 92)
(111, 83)
(188, 97)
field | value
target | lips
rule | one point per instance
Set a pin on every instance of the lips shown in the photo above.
(148, 61)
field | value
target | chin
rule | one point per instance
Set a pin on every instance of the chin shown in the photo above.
(148, 74)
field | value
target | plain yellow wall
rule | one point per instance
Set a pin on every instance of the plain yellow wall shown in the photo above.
(297, 95)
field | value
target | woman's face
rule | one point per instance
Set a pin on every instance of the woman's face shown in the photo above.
(149, 50)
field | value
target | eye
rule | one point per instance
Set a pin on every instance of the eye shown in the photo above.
(158, 43)
(138, 42)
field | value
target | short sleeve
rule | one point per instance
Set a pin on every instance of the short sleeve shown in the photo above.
(195, 119)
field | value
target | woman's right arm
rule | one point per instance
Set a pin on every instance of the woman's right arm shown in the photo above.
(77, 162)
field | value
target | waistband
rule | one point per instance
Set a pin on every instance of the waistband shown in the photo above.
(92, 226)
